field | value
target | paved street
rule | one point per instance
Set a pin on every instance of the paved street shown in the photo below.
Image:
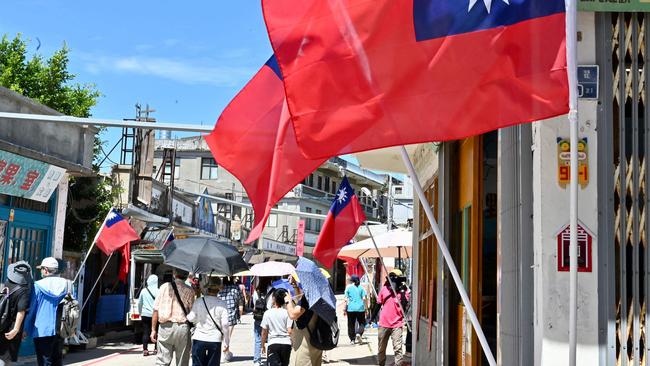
(123, 353)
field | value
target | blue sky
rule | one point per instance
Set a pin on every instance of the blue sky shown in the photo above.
(185, 59)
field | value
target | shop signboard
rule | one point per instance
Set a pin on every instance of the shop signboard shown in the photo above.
(300, 239)
(614, 5)
(564, 162)
(278, 247)
(28, 178)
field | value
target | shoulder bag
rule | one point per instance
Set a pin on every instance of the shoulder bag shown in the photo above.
(178, 297)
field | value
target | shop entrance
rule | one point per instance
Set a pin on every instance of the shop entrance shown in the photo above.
(473, 244)
(624, 260)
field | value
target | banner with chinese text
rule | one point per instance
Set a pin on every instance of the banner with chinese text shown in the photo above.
(28, 178)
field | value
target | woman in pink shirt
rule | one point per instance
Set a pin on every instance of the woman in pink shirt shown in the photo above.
(391, 319)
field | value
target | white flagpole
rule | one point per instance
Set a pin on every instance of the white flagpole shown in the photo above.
(83, 263)
(448, 259)
(572, 71)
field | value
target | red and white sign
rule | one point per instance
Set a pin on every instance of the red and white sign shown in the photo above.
(584, 249)
(300, 239)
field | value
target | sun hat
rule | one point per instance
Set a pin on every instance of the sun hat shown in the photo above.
(19, 272)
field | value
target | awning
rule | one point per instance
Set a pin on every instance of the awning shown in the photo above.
(145, 216)
(147, 255)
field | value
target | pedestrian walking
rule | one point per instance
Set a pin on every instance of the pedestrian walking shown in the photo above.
(244, 292)
(260, 305)
(276, 329)
(356, 298)
(302, 352)
(41, 322)
(145, 308)
(391, 317)
(235, 305)
(15, 296)
(170, 327)
(210, 316)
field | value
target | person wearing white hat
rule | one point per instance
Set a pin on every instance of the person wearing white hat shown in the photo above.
(41, 322)
(16, 293)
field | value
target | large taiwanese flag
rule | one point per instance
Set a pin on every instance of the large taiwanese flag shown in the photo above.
(396, 72)
(343, 219)
(253, 139)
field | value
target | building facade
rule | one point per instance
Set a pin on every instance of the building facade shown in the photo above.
(36, 161)
(502, 202)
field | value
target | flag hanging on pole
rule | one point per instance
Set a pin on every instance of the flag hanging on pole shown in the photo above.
(362, 75)
(343, 219)
(254, 140)
(125, 263)
(115, 233)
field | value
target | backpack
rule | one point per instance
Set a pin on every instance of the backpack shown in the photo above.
(70, 314)
(325, 336)
(259, 308)
(6, 316)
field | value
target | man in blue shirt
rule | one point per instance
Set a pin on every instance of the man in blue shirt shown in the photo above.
(356, 309)
(41, 323)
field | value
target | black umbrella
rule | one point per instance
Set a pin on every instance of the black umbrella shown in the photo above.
(204, 255)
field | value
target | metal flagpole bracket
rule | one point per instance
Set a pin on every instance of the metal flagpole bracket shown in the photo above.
(448, 259)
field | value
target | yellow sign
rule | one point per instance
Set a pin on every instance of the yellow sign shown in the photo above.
(564, 162)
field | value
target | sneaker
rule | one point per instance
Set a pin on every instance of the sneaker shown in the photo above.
(352, 341)
(359, 339)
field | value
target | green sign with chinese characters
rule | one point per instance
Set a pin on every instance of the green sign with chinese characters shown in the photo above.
(614, 5)
(24, 177)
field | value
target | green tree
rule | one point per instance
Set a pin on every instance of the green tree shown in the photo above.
(48, 81)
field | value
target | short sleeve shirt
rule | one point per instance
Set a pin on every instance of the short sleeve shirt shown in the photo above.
(19, 301)
(277, 322)
(169, 310)
(391, 315)
(303, 321)
(355, 295)
(233, 297)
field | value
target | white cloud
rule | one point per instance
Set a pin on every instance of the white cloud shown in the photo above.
(184, 71)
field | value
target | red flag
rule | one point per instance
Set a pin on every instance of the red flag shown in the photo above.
(115, 233)
(254, 140)
(353, 266)
(343, 220)
(367, 74)
(125, 264)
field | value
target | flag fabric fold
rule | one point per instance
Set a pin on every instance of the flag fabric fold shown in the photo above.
(343, 219)
(125, 263)
(115, 233)
(255, 141)
(367, 74)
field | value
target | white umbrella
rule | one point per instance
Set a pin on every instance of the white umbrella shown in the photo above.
(388, 159)
(392, 244)
(272, 269)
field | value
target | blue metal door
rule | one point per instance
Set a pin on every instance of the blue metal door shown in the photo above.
(26, 243)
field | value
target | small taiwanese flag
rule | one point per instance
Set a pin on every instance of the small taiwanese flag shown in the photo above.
(115, 233)
(170, 239)
(343, 220)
